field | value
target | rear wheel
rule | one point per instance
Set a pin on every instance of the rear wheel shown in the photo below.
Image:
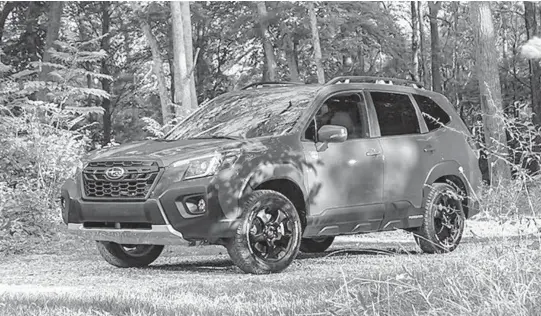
(316, 244)
(268, 238)
(443, 223)
(128, 256)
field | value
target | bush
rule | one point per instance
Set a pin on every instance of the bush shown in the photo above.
(510, 200)
(36, 159)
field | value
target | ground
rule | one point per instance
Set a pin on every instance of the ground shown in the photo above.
(491, 273)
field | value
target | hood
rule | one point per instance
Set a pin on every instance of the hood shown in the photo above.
(166, 151)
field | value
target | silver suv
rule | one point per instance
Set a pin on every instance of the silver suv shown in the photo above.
(276, 168)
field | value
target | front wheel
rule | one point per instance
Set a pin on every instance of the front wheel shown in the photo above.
(443, 222)
(268, 237)
(129, 256)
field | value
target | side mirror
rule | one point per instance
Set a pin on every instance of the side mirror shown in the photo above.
(332, 134)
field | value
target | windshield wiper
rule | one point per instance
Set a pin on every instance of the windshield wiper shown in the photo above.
(218, 137)
(163, 139)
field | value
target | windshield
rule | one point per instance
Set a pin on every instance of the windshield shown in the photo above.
(247, 114)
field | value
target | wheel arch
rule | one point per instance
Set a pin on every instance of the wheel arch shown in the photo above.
(448, 172)
(286, 180)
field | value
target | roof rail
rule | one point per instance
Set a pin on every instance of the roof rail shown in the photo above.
(384, 80)
(269, 83)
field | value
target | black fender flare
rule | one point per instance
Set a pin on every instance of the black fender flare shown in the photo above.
(444, 168)
(269, 172)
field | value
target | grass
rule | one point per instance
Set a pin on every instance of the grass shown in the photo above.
(482, 277)
(498, 279)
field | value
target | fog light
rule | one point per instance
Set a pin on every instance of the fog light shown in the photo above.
(202, 206)
(196, 206)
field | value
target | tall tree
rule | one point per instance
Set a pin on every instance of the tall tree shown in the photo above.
(6, 10)
(434, 7)
(291, 55)
(270, 61)
(490, 90)
(535, 69)
(414, 42)
(182, 88)
(106, 83)
(53, 27)
(157, 68)
(316, 43)
(31, 36)
(188, 43)
(422, 54)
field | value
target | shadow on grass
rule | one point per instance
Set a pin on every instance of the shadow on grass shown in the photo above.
(227, 266)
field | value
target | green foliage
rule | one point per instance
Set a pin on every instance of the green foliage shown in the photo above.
(357, 38)
(36, 159)
(43, 134)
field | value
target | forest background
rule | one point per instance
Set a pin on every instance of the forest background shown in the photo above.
(76, 76)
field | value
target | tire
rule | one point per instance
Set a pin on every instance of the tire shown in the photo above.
(269, 235)
(314, 245)
(443, 222)
(129, 256)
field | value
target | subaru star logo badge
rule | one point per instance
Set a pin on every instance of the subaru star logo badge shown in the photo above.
(114, 173)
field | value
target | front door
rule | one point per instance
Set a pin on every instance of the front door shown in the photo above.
(346, 179)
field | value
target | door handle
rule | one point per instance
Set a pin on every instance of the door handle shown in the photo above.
(373, 153)
(429, 149)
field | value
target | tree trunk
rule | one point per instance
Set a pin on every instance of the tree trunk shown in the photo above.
(270, 62)
(535, 69)
(532, 29)
(105, 83)
(456, 62)
(8, 7)
(53, 27)
(157, 68)
(315, 41)
(291, 55)
(490, 91)
(182, 89)
(434, 7)
(359, 62)
(414, 42)
(188, 43)
(359, 71)
(31, 36)
(422, 60)
(171, 61)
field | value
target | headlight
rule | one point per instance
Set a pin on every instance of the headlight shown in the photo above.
(207, 165)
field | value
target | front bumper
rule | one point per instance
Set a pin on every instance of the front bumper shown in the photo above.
(156, 235)
(159, 220)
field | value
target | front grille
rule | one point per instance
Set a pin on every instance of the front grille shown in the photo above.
(135, 182)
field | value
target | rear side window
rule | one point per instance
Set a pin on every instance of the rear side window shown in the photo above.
(396, 114)
(434, 116)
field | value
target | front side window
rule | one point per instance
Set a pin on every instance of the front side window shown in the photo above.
(341, 110)
(396, 114)
(247, 114)
(434, 116)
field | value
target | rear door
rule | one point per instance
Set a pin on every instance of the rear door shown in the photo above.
(408, 153)
(438, 137)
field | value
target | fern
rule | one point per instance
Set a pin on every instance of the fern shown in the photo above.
(66, 98)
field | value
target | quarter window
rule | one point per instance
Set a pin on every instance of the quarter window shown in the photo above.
(433, 114)
(396, 114)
